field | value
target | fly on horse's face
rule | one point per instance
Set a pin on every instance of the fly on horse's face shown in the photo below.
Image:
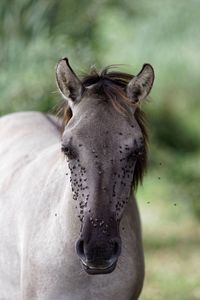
(103, 143)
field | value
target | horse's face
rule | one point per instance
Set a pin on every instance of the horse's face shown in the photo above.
(102, 147)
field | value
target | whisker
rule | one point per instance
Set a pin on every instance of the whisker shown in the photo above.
(55, 92)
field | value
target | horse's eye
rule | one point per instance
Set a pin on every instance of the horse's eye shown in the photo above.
(68, 151)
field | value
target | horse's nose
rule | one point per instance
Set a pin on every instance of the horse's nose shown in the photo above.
(99, 255)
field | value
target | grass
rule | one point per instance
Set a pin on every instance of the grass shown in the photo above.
(170, 241)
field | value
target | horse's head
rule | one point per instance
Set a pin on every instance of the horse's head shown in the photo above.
(105, 145)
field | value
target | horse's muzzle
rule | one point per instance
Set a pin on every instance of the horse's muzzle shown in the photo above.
(99, 257)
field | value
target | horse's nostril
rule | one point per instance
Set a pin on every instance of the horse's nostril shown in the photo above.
(80, 248)
(116, 247)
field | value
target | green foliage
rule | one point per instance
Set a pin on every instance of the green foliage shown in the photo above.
(170, 240)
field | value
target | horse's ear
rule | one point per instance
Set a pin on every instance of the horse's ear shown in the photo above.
(68, 83)
(139, 87)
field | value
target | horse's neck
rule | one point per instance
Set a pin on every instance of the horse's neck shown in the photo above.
(69, 211)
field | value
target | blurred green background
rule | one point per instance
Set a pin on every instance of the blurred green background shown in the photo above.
(34, 34)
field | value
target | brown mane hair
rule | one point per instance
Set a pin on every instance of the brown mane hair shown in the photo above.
(111, 86)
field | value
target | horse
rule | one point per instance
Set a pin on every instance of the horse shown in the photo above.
(69, 223)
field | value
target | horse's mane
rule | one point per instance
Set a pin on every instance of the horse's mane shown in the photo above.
(111, 86)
